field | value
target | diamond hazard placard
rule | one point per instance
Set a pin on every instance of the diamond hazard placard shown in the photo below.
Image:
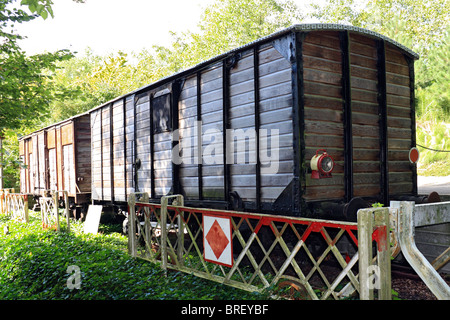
(217, 244)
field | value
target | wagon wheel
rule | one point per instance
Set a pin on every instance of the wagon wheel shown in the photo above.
(297, 291)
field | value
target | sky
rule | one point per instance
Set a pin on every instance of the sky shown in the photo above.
(107, 26)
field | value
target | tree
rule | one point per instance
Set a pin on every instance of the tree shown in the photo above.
(422, 25)
(419, 24)
(25, 89)
(224, 25)
(433, 90)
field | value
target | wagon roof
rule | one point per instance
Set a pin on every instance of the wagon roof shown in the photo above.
(297, 27)
(62, 122)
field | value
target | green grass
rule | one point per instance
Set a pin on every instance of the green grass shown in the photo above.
(434, 135)
(34, 262)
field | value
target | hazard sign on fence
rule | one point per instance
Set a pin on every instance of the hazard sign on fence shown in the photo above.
(217, 241)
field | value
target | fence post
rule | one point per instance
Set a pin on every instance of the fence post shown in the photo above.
(381, 218)
(2, 197)
(365, 230)
(25, 208)
(132, 225)
(164, 203)
(180, 248)
(147, 226)
(66, 209)
(55, 199)
(374, 276)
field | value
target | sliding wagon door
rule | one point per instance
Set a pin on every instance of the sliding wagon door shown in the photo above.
(69, 170)
(68, 165)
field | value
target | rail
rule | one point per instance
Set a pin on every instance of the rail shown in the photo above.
(257, 251)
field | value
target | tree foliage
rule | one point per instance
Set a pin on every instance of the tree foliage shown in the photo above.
(33, 87)
(422, 25)
(418, 24)
(25, 87)
(224, 25)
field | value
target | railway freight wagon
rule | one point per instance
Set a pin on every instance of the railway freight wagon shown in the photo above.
(315, 120)
(58, 157)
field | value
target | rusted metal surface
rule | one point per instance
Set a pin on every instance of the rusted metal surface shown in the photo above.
(405, 234)
(267, 250)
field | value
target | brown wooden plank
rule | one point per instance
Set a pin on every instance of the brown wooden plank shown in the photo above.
(400, 188)
(59, 159)
(361, 38)
(21, 147)
(366, 191)
(328, 39)
(365, 84)
(321, 127)
(398, 90)
(365, 119)
(366, 167)
(67, 134)
(321, 52)
(317, 102)
(398, 111)
(398, 100)
(322, 89)
(364, 95)
(323, 115)
(319, 192)
(322, 77)
(399, 122)
(399, 166)
(364, 73)
(398, 79)
(368, 50)
(397, 69)
(399, 133)
(366, 155)
(395, 56)
(365, 130)
(324, 141)
(362, 61)
(51, 138)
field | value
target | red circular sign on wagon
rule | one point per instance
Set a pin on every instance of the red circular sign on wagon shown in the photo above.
(414, 155)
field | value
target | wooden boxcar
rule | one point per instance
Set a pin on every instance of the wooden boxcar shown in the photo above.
(58, 157)
(344, 89)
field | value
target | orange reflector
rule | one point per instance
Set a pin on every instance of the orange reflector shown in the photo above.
(414, 155)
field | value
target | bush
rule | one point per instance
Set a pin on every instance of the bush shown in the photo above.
(34, 262)
(433, 135)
